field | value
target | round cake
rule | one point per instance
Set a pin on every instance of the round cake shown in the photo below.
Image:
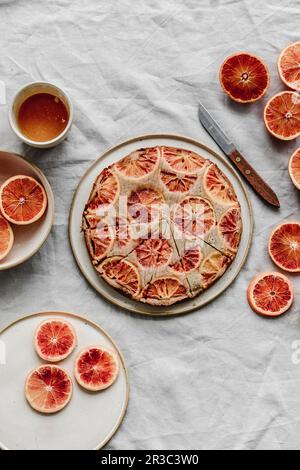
(162, 224)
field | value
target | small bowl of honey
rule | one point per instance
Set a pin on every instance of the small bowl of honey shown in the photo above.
(41, 114)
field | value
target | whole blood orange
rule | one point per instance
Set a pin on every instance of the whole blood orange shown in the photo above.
(289, 66)
(270, 294)
(48, 389)
(96, 368)
(22, 200)
(55, 339)
(244, 77)
(284, 246)
(6, 238)
(294, 168)
(282, 115)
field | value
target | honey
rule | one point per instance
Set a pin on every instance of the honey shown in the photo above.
(42, 117)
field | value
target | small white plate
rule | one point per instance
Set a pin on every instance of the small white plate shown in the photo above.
(88, 421)
(28, 238)
(82, 194)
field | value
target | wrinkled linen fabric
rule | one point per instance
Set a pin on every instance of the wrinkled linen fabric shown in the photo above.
(221, 377)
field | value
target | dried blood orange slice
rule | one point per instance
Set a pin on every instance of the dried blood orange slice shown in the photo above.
(289, 66)
(182, 160)
(96, 368)
(188, 262)
(99, 241)
(121, 274)
(230, 228)
(164, 291)
(212, 268)
(6, 238)
(294, 168)
(144, 205)
(139, 164)
(122, 232)
(282, 115)
(23, 200)
(270, 294)
(48, 389)
(154, 252)
(194, 216)
(284, 246)
(175, 182)
(55, 339)
(244, 77)
(218, 187)
(105, 192)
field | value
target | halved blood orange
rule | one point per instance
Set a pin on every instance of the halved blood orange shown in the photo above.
(48, 389)
(55, 339)
(218, 187)
(99, 241)
(139, 164)
(270, 294)
(96, 368)
(284, 246)
(6, 238)
(23, 200)
(105, 192)
(194, 216)
(182, 160)
(230, 228)
(121, 274)
(294, 168)
(244, 77)
(282, 115)
(176, 182)
(188, 262)
(289, 66)
(154, 252)
(164, 291)
(143, 205)
(212, 268)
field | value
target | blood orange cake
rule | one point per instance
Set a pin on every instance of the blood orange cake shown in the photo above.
(162, 224)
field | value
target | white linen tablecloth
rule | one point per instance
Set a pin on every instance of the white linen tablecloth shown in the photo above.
(219, 378)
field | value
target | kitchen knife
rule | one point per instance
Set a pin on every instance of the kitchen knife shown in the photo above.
(253, 178)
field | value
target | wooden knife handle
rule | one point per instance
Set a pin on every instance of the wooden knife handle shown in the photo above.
(259, 185)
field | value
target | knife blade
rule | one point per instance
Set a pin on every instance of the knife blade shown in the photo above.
(234, 155)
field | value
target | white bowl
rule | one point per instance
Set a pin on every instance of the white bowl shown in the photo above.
(28, 238)
(30, 90)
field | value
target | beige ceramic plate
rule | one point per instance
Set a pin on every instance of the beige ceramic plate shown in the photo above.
(81, 196)
(88, 421)
(29, 238)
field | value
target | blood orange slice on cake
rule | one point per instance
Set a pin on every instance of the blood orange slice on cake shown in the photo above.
(154, 252)
(244, 77)
(96, 368)
(6, 238)
(188, 262)
(270, 294)
(55, 339)
(48, 389)
(177, 183)
(294, 168)
(230, 228)
(284, 246)
(139, 164)
(122, 274)
(144, 205)
(194, 216)
(282, 115)
(218, 187)
(23, 200)
(212, 268)
(181, 160)
(289, 66)
(164, 291)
